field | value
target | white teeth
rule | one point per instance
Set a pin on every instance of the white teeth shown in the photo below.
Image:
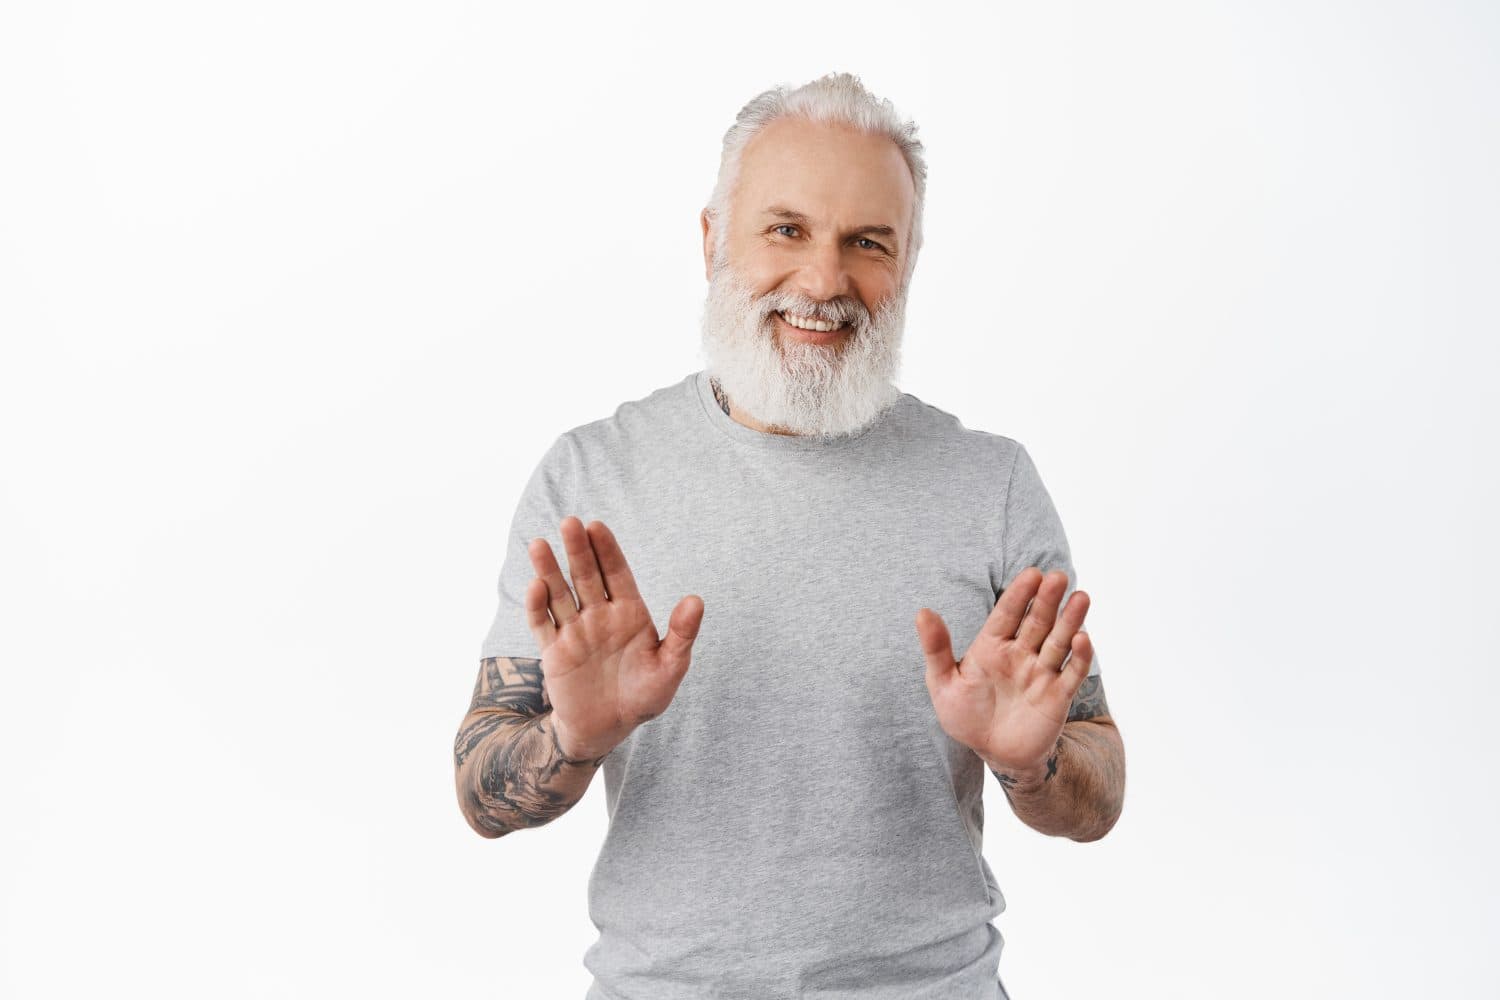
(802, 323)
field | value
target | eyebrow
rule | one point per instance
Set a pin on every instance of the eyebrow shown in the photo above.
(791, 215)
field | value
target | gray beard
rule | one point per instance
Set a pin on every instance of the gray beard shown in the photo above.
(795, 387)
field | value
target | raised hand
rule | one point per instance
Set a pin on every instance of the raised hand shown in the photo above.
(605, 670)
(1009, 698)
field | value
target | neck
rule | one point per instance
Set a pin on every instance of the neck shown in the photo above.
(740, 416)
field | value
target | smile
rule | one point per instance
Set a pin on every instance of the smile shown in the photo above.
(809, 324)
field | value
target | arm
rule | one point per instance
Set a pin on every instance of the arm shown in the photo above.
(510, 772)
(1080, 791)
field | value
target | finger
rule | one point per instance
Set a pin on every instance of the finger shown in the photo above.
(537, 620)
(676, 650)
(937, 648)
(559, 597)
(1043, 612)
(618, 580)
(1074, 673)
(1005, 617)
(1060, 640)
(583, 566)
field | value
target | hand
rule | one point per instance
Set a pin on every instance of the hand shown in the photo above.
(604, 668)
(1009, 698)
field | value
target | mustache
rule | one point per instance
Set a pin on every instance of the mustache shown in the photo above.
(840, 310)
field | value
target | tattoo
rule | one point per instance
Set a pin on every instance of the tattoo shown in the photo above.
(1009, 781)
(719, 395)
(1088, 795)
(511, 772)
(473, 734)
(516, 775)
(563, 757)
(1089, 701)
(513, 683)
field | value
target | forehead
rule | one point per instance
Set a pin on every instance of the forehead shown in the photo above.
(832, 173)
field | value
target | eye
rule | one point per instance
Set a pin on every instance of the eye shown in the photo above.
(873, 245)
(786, 225)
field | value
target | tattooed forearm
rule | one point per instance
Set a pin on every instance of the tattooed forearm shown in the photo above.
(510, 771)
(521, 779)
(1009, 781)
(1089, 701)
(510, 682)
(474, 731)
(1080, 791)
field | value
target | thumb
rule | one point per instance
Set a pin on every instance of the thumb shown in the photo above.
(676, 648)
(937, 647)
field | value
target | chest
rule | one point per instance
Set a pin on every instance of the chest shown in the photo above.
(810, 586)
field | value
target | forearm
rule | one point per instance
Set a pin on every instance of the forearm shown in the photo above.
(1080, 790)
(511, 774)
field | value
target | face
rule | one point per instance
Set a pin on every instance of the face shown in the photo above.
(817, 231)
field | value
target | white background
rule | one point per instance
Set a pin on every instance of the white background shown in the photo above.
(295, 294)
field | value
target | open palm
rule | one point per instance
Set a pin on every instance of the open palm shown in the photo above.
(605, 670)
(1008, 699)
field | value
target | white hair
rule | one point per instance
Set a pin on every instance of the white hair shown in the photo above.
(796, 387)
(838, 98)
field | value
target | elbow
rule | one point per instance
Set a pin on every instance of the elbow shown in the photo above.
(1097, 833)
(482, 822)
(471, 803)
(1109, 791)
(1108, 817)
(487, 832)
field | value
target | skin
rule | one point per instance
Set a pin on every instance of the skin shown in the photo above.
(607, 669)
(509, 769)
(818, 209)
(537, 730)
(1040, 724)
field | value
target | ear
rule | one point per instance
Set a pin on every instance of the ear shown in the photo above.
(708, 244)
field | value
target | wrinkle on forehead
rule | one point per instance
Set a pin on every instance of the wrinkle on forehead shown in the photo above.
(836, 176)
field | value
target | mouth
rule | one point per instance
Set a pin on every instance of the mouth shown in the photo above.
(809, 330)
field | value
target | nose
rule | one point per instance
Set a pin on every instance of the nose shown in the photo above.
(822, 275)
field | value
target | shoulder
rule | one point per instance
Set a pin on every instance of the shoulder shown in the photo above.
(979, 448)
(640, 424)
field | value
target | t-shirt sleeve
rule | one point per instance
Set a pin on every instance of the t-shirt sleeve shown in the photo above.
(1033, 532)
(544, 503)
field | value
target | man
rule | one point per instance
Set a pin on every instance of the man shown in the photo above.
(794, 758)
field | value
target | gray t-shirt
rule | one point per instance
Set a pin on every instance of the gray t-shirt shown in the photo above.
(796, 823)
